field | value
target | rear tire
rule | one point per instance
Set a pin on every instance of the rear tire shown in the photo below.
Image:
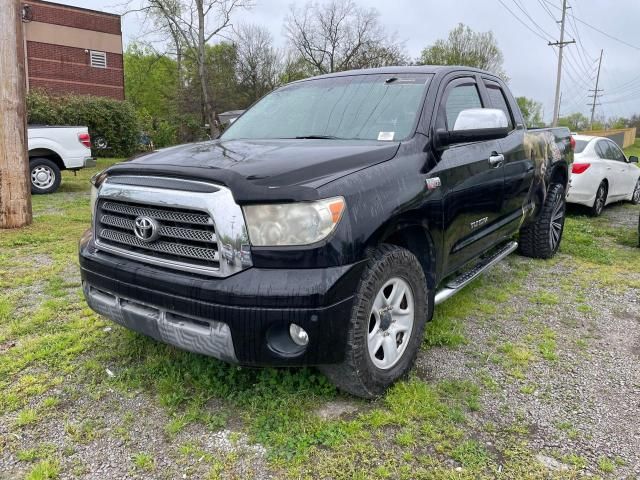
(44, 176)
(635, 198)
(541, 239)
(600, 201)
(391, 301)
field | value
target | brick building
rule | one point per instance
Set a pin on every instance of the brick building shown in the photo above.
(73, 50)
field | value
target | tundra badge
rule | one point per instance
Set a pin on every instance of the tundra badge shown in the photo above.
(481, 221)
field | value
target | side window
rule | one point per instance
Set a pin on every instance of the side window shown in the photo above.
(461, 98)
(602, 149)
(497, 99)
(615, 153)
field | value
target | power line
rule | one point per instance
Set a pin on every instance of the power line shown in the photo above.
(596, 28)
(523, 10)
(596, 91)
(522, 21)
(560, 44)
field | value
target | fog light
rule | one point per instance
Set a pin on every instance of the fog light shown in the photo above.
(298, 335)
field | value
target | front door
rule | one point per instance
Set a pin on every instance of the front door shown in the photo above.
(519, 167)
(473, 187)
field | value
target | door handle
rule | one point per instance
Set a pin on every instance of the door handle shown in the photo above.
(496, 159)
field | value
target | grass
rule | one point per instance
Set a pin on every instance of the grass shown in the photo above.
(143, 461)
(633, 149)
(54, 351)
(44, 470)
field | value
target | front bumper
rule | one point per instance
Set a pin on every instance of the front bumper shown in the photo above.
(243, 318)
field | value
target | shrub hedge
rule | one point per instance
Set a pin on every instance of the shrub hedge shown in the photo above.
(113, 120)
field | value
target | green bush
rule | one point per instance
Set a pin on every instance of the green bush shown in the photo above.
(114, 121)
(162, 133)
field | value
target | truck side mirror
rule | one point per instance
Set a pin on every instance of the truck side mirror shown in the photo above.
(475, 125)
(633, 159)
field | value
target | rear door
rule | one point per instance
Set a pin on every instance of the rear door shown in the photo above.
(519, 168)
(626, 179)
(473, 187)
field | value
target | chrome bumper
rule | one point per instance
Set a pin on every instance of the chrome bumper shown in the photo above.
(208, 337)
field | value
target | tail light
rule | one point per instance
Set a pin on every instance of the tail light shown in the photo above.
(572, 141)
(85, 139)
(579, 167)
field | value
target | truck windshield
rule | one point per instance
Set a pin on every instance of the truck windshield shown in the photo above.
(371, 107)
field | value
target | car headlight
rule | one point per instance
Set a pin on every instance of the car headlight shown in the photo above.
(290, 224)
(96, 181)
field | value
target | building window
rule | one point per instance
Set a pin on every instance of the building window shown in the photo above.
(98, 59)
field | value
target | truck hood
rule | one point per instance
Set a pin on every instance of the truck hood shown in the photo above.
(258, 170)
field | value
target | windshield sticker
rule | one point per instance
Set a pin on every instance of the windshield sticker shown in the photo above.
(386, 136)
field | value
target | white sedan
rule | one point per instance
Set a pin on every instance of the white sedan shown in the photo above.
(602, 174)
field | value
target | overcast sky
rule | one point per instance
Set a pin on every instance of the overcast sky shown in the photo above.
(528, 60)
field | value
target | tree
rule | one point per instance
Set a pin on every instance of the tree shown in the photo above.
(152, 85)
(197, 22)
(295, 67)
(258, 62)
(619, 122)
(150, 80)
(465, 47)
(340, 35)
(574, 122)
(531, 111)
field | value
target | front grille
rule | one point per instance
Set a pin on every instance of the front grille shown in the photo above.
(157, 213)
(185, 236)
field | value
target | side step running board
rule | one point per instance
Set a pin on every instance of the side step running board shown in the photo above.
(454, 285)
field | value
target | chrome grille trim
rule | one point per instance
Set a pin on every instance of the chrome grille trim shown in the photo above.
(200, 232)
(160, 246)
(165, 231)
(197, 218)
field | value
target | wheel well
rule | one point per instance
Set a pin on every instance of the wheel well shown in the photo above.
(559, 175)
(48, 154)
(415, 239)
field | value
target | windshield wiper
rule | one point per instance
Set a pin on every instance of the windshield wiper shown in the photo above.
(319, 137)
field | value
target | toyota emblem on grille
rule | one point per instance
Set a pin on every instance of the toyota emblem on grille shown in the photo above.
(146, 229)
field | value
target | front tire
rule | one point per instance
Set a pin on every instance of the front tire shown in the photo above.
(391, 306)
(541, 239)
(44, 175)
(635, 198)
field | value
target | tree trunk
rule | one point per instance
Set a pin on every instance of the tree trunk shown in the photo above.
(202, 57)
(15, 194)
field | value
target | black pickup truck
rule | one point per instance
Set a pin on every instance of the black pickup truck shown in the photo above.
(327, 222)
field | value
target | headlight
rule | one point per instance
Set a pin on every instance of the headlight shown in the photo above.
(290, 224)
(96, 181)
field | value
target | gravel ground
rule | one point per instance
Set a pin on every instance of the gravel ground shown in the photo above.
(585, 401)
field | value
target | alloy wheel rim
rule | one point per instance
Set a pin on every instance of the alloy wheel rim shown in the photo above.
(600, 199)
(557, 224)
(390, 323)
(42, 177)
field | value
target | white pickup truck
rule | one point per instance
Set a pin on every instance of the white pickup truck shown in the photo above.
(53, 149)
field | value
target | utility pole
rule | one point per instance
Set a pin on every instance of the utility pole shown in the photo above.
(560, 105)
(560, 45)
(15, 195)
(596, 92)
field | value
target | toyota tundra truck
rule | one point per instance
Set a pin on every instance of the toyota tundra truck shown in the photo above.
(327, 222)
